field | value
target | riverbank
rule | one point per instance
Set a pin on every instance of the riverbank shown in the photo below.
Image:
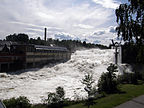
(128, 92)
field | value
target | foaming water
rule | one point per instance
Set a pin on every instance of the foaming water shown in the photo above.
(36, 83)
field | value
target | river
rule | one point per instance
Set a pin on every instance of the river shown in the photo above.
(36, 83)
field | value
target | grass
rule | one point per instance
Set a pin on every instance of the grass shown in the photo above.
(129, 91)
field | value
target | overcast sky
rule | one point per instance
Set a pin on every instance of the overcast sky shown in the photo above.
(75, 18)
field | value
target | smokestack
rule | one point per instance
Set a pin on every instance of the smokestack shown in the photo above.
(45, 34)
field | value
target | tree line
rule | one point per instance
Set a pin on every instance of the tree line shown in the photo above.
(71, 45)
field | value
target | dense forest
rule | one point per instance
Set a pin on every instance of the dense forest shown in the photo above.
(71, 45)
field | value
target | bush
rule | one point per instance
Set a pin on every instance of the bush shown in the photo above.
(143, 76)
(21, 102)
(140, 75)
(131, 78)
(108, 82)
(127, 78)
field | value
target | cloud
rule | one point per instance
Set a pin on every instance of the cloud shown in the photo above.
(83, 26)
(79, 18)
(99, 33)
(103, 36)
(112, 29)
(107, 3)
(63, 36)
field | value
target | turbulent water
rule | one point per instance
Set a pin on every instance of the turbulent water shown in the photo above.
(36, 83)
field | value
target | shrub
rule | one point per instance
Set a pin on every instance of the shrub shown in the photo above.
(21, 102)
(108, 82)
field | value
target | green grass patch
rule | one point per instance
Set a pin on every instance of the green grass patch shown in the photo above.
(129, 91)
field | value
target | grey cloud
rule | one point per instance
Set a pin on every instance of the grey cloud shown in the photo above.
(97, 42)
(99, 33)
(63, 36)
(112, 29)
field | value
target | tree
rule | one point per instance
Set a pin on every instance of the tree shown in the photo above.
(56, 99)
(23, 38)
(18, 38)
(107, 82)
(84, 43)
(38, 38)
(130, 19)
(60, 93)
(88, 82)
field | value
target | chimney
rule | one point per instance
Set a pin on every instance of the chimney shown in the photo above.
(45, 34)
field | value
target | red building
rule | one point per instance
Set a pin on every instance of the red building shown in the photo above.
(14, 56)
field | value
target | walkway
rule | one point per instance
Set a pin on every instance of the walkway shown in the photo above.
(134, 103)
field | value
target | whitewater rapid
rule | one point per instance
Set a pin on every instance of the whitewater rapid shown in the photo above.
(36, 83)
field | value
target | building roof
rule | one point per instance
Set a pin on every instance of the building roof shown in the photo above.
(50, 48)
(40, 47)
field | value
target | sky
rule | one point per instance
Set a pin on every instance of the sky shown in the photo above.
(90, 20)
